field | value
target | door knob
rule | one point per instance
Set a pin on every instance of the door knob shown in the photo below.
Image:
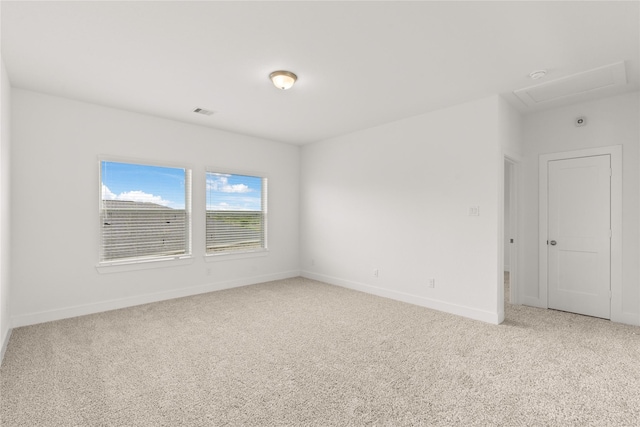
(553, 243)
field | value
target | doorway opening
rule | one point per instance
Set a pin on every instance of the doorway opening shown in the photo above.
(509, 290)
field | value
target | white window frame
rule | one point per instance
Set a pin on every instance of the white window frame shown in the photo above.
(151, 262)
(240, 254)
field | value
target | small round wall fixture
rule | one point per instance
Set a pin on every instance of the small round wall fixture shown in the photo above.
(283, 79)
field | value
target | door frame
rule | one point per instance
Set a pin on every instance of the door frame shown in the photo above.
(615, 151)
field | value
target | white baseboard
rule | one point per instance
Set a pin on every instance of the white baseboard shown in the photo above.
(626, 318)
(82, 310)
(4, 343)
(460, 310)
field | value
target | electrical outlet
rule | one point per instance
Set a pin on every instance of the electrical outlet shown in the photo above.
(432, 283)
(208, 272)
(376, 272)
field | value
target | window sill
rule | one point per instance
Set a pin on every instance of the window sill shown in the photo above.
(231, 256)
(118, 267)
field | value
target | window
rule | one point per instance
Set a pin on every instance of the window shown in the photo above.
(144, 212)
(236, 213)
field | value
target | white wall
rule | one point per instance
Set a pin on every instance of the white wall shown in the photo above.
(396, 198)
(5, 229)
(510, 130)
(55, 147)
(610, 121)
(393, 198)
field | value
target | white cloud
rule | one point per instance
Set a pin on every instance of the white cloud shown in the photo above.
(107, 194)
(134, 196)
(237, 204)
(221, 184)
(220, 207)
(141, 196)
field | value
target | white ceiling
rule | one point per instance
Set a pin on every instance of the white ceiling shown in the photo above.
(360, 64)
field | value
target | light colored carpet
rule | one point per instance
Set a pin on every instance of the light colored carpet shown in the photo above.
(298, 352)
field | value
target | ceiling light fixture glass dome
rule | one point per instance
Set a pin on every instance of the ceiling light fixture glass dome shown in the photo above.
(283, 79)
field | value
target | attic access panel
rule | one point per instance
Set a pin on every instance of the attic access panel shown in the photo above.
(597, 79)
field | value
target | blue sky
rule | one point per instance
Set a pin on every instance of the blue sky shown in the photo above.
(142, 183)
(165, 186)
(233, 192)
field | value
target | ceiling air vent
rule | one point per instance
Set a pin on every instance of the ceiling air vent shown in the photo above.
(598, 79)
(202, 111)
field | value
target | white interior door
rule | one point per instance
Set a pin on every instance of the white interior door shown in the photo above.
(579, 235)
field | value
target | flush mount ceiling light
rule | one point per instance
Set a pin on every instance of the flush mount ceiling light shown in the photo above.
(283, 79)
(535, 75)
